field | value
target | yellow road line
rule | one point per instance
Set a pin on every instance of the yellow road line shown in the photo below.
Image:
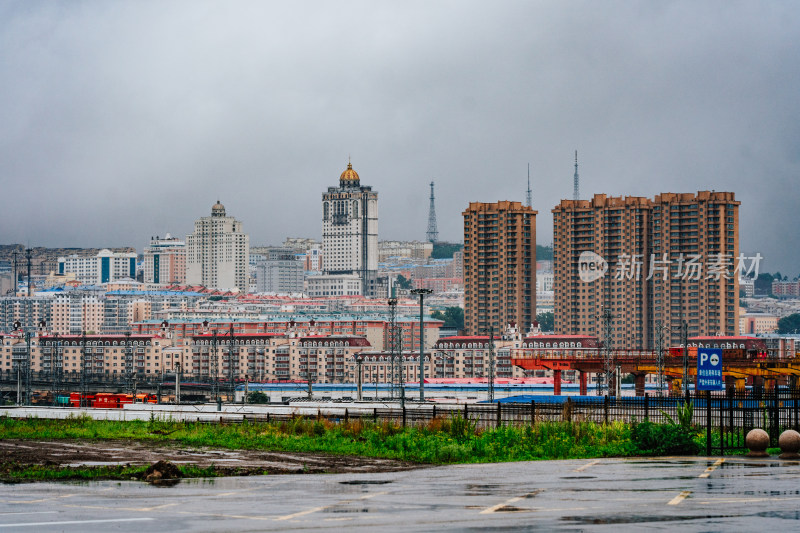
(587, 465)
(323, 507)
(494, 508)
(679, 498)
(712, 468)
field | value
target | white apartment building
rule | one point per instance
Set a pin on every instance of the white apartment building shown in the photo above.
(165, 260)
(105, 267)
(350, 231)
(217, 253)
(333, 285)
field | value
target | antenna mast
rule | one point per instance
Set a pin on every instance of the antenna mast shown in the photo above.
(433, 233)
(576, 195)
(528, 197)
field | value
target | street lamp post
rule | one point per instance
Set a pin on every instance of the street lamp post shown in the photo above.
(422, 293)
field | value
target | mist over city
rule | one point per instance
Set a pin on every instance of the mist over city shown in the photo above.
(127, 120)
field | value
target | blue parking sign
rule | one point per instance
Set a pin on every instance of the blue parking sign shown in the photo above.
(709, 369)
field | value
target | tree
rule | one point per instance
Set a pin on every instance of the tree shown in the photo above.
(257, 397)
(445, 250)
(544, 253)
(453, 317)
(789, 324)
(403, 283)
(763, 284)
(546, 321)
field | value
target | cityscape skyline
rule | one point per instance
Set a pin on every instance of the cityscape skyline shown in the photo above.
(144, 134)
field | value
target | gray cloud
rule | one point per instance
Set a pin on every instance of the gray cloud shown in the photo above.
(125, 120)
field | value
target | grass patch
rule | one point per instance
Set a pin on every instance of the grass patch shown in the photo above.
(442, 440)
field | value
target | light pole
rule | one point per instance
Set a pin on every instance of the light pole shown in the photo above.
(422, 293)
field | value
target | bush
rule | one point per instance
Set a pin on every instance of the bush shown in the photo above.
(663, 439)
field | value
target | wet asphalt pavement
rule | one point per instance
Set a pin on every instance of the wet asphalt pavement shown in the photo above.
(697, 494)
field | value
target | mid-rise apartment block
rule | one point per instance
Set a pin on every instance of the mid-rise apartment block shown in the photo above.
(217, 253)
(634, 269)
(165, 261)
(105, 267)
(499, 266)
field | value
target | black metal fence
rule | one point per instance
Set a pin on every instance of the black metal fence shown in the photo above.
(725, 416)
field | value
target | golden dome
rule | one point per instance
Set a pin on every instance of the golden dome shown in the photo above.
(349, 175)
(218, 210)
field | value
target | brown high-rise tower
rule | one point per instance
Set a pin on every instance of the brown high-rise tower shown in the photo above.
(499, 266)
(609, 258)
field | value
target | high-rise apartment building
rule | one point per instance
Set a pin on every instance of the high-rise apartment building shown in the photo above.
(699, 236)
(105, 267)
(616, 230)
(350, 230)
(165, 260)
(217, 253)
(499, 266)
(633, 269)
(279, 271)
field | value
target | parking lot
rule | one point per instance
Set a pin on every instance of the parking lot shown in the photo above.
(695, 494)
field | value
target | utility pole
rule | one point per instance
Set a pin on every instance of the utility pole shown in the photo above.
(55, 367)
(16, 274)
(177, 382)
(660, 356)
(213, 364)
(230, 365)
(28, 253)
(401, 366)
(490, 383)
(422, 293)
(84, 377)
(393, 344)
(685, 343)
(28, 368)
(608, 355)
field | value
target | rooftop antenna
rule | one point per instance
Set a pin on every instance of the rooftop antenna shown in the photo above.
(528, 197)
(576, 195)
(432, 234)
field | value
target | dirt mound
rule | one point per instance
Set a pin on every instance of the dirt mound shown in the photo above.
(162, 470)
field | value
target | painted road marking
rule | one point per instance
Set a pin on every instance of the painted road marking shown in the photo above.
(322, 508)
(679, 498)
(42, 500)
(140, 509)
(75, 522)
(587, 465)
(495, 508)
(711, 468)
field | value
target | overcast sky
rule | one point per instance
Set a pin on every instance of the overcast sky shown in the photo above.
(122, 120)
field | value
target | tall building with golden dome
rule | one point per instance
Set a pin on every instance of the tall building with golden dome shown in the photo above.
(350, 233)
(218, 252)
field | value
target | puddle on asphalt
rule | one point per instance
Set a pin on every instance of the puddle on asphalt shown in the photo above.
(343, 510)
(365, 482)
(95, 463)
(578, 477)
(512, 509)
(481, 490)
(638, 519)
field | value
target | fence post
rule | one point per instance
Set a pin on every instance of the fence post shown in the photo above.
(708, 422)
(267, 417)
(404, 416)
(346, 416)
(466, 413)
(375, 415)
(646, 406)
(533, 412)
(794, 404)
(605, 410)
(434, 411)
(499, 415)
